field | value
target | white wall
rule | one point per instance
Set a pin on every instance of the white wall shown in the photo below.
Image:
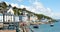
(10, 10)
(11, 18)
(16, 18)
(1, 18)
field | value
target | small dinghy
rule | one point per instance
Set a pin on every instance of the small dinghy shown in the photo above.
(35, 26)
(52, 25)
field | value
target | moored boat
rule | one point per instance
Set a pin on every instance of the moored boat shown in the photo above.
(51, 24)
(35, 26)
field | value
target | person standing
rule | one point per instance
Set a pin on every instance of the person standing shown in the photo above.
(23, 22)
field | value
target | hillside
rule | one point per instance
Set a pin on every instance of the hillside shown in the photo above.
(17, 11)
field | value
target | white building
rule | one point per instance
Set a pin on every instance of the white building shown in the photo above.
(9, 17)
(44, 20)
(11, 11)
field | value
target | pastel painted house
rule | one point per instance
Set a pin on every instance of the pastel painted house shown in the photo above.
(33, 18)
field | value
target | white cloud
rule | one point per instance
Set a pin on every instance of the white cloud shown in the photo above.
(15, 4)
(56, 15)
(7, 3)
(38, 7)
(22, 6)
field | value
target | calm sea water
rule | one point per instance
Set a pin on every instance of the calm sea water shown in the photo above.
(47, 28)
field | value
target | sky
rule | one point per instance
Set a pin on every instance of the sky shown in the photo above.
(49, 8)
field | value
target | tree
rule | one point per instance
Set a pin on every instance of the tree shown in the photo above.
(3, 7)
(17, 11)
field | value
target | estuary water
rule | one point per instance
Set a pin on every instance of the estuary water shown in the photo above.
(47, 28)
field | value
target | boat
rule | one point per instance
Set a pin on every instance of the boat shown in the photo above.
(35, 26)
(52, 25)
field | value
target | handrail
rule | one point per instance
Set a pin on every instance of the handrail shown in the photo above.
(31, 29)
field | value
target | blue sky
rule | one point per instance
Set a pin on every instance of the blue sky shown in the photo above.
(47, 7)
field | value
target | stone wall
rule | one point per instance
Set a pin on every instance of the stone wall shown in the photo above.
(7, 30)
